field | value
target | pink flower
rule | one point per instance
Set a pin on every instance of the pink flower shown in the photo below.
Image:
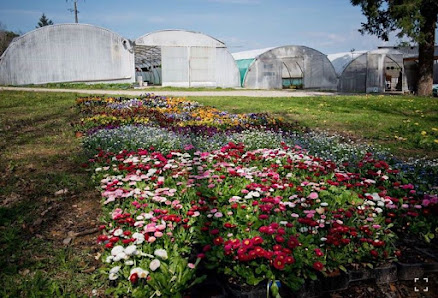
(152, 239)
(158, 234)
(218, 214)
(191, 265)
(313, 196)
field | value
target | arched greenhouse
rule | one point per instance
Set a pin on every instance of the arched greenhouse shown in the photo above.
(184, 59)
(67, 53)
(375, 71)
(286, 67)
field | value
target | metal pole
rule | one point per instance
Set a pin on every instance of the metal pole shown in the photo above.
(76, 12)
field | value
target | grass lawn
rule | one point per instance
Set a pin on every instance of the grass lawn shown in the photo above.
(39, 156)
(406, 125)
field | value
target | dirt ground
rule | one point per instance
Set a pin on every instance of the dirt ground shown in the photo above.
(239, 92)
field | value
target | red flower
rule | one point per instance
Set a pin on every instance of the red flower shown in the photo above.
(374, 253)
(279, 263)
(318, 266)
(114, 239)
(277, 247)
(214, 232)
(318, 252)
(257, 240)
(293, 242)
(133, 278)
(218, 241)
(247, 243)
(289, 260)
(279, 239)
(206, 248)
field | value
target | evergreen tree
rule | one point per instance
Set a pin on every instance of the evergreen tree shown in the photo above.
(44, 21)
(416, 19)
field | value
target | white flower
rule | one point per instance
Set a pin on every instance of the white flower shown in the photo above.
(120, 256)
(161, 253)
(109, 259)
(324, 204)
(130, 250)
(139, 238)
(129, 262)
(115, 269)
(140, 272)
(155, 264)
(113, 276)
(118, 232)
(117, 249)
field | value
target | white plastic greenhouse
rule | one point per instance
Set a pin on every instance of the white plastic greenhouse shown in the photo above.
(285, 67)
(375, 71)
(185, 59)
(67, 53)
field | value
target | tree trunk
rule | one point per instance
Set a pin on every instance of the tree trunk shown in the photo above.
(426, 48)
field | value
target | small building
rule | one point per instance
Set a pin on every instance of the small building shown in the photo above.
(182, 58)
(285, 67)
(67, 53)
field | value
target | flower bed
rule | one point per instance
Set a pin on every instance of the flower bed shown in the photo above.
(194, 188)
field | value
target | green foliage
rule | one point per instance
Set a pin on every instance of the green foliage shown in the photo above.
(44, 21)
(385, 16)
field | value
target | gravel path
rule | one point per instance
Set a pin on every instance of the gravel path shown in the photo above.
(246, 93)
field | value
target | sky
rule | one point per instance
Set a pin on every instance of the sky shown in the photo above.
(330, 26)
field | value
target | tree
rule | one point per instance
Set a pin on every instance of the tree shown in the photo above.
(416, 19)
(44, 21)
(6, 38)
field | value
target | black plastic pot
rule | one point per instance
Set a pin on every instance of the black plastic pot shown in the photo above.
(237, 291)
(386, 274)
(335, 283)
(360, 275)
(430, 267)
(209, 288)
(310, 289)
(409, 271)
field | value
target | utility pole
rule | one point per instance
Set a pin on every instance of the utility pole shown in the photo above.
(76, 12)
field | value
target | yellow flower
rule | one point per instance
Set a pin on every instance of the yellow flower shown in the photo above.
(423, 133)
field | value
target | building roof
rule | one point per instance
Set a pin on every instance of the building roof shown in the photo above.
(179, 38)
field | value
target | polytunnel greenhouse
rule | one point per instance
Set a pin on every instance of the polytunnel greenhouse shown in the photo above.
(375, 71)
(285, 67)
(67, 53)
(184, 59)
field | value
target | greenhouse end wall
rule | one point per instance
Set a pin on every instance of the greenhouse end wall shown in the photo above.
(192, 59)
(67, 53)
(291, 62)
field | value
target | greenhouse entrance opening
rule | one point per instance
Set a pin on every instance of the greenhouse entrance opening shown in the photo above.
(148, 64)
(292, 73)
(393, 74)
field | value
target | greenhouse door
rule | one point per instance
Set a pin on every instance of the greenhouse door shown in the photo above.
(202, 70)
(292, 72)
